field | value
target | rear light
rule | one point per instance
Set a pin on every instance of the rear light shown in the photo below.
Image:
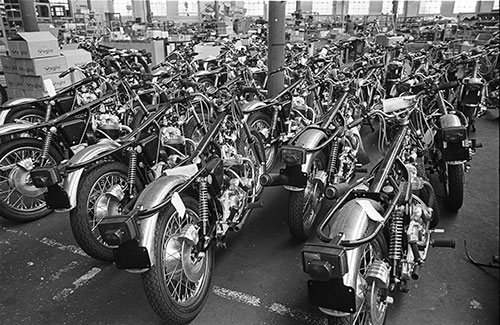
(293, 156)
(116, 230)
(324, 262)
(45, 176)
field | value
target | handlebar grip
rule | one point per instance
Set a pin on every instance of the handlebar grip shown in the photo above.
(272, 179)
(65, 73)
(448, 85)
(375, 66)
(181, 99)
(357, 121)
(443, 243)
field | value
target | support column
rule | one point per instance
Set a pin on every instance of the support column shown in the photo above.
(276, 45)
(28, 13)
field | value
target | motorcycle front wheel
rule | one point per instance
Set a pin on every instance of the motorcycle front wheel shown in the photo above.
(454, 186)
(304, 205)
(20, 200)
(100, 194)
(177, 285)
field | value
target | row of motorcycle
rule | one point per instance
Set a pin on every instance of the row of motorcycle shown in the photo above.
(155, 164)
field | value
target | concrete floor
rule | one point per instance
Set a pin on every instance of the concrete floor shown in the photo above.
(46, 279)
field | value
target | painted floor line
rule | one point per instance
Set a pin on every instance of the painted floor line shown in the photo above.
(81, 281)
(49, 242)
(276, 308)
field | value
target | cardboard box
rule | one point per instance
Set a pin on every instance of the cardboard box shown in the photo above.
(36, 82)
(35, 93)
(9, 65)
(32, 45)
(13, 93)
(41, 66)
(385, 40)
(13, 80)
(76, 58)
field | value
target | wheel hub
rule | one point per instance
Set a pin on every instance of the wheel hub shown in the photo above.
(20, 179)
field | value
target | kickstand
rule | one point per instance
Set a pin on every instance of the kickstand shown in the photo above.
(492, 265)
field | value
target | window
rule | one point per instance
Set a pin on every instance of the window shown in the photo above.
(187, 7)
(291, 6)
(158, 7)
(496, 5)
(464, 6)
(387, 7)
(254, 8)
(60, 8)
(430, 7)
(123, 7)
(323, 7)
(359, 7)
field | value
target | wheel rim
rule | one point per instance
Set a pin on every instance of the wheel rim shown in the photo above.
(313, 195)
(103, 200)
(264, 129)
(179, 257)
(16, 187)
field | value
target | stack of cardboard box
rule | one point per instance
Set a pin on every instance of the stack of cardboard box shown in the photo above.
(34, 57)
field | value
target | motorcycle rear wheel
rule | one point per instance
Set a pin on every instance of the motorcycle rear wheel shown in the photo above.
(372, 310)
(262, 123)
(91, 201)
(20, 200)
(454, 186)
(172, 295)
(304, 206)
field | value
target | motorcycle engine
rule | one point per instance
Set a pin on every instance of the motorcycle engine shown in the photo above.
(109, 124)
(232, 200)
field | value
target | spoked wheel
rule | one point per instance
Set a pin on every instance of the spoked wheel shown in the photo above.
(454, 186)
(304, 205)
(101, 193)
(20, 200)
(262, 123)
(245, 149)
(177, 284)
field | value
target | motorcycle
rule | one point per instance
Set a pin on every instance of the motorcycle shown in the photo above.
(377, 235)
(170, 233)
(104, 177)
(320, 157)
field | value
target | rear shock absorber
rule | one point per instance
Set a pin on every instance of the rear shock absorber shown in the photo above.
(132, 171)
(203, 203)
(396, 242)
(334, 155)
(274, 123)
(46, 145)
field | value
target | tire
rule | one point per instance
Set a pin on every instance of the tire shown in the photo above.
(3, 95)
(245, 149)
(429, 197)
(302, 217)
(83, 219)
(262, 123)
(15, 183)
(454, 186)
(161, 280)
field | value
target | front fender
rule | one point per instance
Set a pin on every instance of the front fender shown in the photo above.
(11, 128)
(151, 196)
(71, 182)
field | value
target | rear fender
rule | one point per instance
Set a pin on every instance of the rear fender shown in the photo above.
(154, 194)
(310, 139)
(12, 128)
(352, 220)
(10, 104)
(253, 107)
(73, 179)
